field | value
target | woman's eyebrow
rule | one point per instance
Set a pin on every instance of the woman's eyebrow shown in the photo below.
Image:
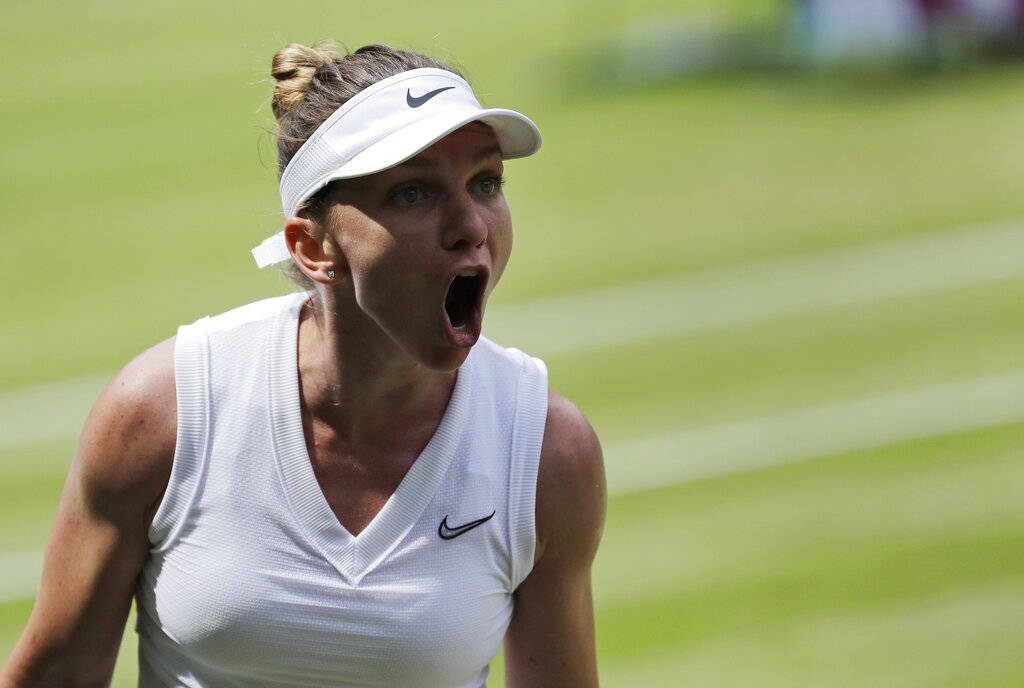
(487, 152)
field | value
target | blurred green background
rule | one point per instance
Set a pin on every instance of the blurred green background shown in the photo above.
(789, 300)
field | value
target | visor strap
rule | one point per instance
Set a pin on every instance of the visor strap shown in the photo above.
(271, 251)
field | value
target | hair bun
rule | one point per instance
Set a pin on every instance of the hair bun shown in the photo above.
(293, 68)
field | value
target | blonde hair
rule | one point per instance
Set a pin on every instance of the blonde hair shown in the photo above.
(293, 69)
(310, 83)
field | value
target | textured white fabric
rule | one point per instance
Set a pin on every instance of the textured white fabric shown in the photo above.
(252, 581)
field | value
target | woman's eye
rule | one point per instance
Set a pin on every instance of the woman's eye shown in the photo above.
(490, 185)
(408, 195)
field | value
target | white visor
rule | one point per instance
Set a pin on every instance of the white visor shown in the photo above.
(384, 125)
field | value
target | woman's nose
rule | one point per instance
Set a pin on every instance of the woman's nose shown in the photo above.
(465, 224)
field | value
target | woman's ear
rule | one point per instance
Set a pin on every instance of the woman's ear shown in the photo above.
(314, 250)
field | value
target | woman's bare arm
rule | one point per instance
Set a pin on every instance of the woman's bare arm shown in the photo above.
(98, 542)
(550, 641)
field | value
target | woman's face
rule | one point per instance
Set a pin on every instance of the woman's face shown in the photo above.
(425, 242)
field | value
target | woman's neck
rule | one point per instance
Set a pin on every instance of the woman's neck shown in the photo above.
(358, 381)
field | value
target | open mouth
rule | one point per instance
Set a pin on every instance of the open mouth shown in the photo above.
(463, 297)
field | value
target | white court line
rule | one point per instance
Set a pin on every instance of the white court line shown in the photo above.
(670, 306)
(760, 291)
(48, 411)
(738, 446)
(826, 430)
(19, 575)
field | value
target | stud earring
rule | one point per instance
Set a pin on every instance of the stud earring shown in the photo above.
(330, 273)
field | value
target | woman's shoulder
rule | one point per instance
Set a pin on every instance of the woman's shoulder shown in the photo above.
(571, 491)
(127, 445)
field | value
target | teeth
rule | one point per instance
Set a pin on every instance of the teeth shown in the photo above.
(467, 273)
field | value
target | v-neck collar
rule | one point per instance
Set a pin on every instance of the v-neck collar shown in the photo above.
(352, 556)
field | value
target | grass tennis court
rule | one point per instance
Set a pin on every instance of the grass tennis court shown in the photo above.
(137, 175)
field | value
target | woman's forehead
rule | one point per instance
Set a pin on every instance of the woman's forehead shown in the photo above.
(475, 140)
(468, 147)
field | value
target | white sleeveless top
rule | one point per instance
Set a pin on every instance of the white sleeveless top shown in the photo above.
(251, 579)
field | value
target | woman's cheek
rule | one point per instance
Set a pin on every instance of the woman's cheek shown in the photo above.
(502, 252)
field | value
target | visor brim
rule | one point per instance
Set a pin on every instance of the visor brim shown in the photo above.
(517, 135)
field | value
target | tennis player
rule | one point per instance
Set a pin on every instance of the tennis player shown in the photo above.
(349, 485)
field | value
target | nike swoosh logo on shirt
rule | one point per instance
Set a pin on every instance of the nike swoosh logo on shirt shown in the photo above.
(447, 533)
(416, 101)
